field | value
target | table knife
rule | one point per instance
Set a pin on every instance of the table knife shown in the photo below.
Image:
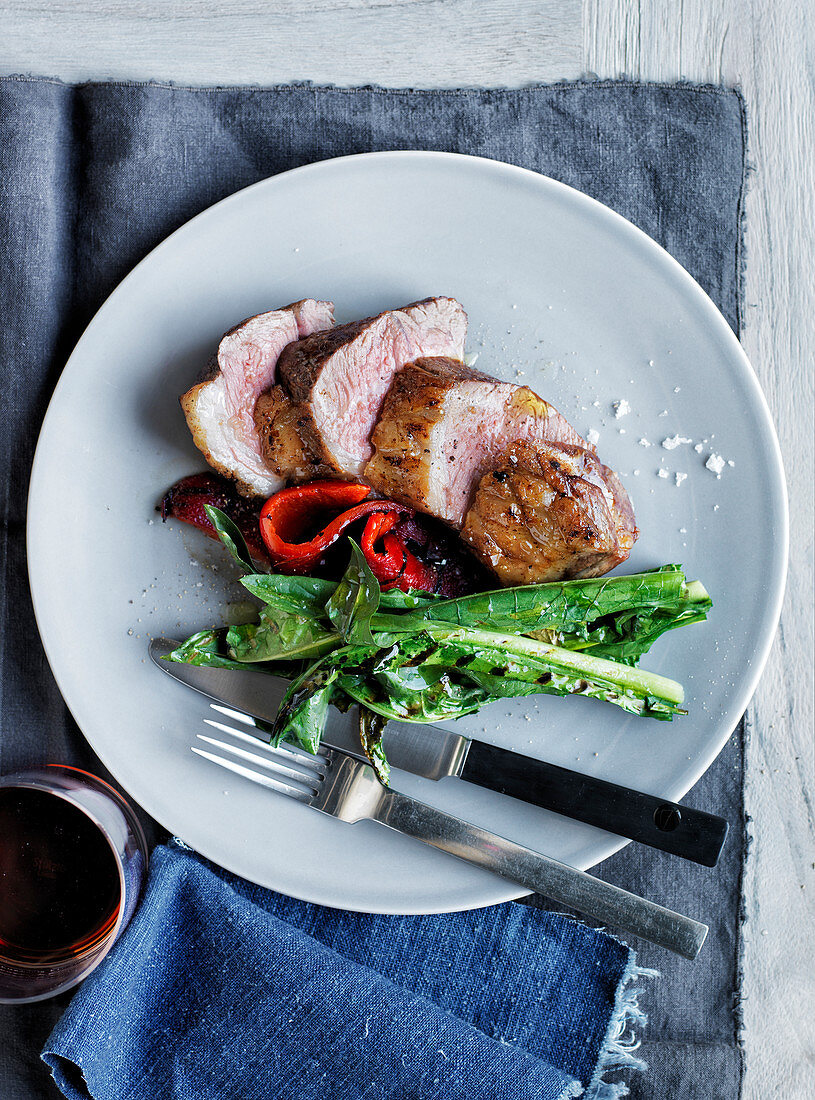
(434, 753)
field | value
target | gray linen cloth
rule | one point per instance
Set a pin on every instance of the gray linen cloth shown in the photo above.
(93, 177)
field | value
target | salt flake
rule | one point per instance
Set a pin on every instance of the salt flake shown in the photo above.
(715, 464)
(675, 441)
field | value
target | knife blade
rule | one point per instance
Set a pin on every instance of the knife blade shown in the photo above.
(434, 753)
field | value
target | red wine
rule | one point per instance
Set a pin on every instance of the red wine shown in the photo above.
(59, 880)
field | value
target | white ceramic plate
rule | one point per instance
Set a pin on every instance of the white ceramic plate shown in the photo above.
(563, 295)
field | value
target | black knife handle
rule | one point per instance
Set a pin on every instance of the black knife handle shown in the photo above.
(679, 830)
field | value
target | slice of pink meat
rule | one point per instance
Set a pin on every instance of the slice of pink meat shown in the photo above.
(220, 407)
(337, 380)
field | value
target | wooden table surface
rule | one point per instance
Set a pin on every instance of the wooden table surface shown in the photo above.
(766, 48)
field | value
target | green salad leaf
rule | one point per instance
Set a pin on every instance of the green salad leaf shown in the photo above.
(355, 600)
(271, 587)
(304, 708)
(281, 635)
(568, 606)
(371, 729)
(207, 647)
(230, 535)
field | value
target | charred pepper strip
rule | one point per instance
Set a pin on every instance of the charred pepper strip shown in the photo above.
(390, 565)
(186, 500)
(287, 515)
(396, 566)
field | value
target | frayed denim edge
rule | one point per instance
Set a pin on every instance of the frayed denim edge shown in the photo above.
(621, 1038)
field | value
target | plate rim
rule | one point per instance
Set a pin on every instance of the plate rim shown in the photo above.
(502, 890)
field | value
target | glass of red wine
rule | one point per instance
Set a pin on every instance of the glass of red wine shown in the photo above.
(73, 859)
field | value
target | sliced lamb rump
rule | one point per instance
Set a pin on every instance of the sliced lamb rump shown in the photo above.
(443, 425)
(338, 379)
(220, 408)
(549, 512)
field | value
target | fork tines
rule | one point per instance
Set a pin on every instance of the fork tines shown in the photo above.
(286, 770)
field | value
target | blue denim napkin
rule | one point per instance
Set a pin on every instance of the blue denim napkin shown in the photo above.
(220, 989)
(91, 178)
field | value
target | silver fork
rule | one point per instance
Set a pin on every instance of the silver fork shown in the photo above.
(347, 789)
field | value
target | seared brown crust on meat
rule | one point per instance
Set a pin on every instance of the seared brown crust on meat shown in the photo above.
(401, 467)
(624, 511)
(491, 459)
(276, 424)
(283, 421)
(550, 513)
(443, 424)
(282, 425)
(293, 448)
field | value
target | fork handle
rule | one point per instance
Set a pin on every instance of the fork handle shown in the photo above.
(590, 896)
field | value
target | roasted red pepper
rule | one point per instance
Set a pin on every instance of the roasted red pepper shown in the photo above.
(186, 499)
(289, 514)
(395, 566)
(385, 566)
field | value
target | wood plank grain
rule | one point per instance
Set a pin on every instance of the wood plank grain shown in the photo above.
(396, 43)
(763, 47)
